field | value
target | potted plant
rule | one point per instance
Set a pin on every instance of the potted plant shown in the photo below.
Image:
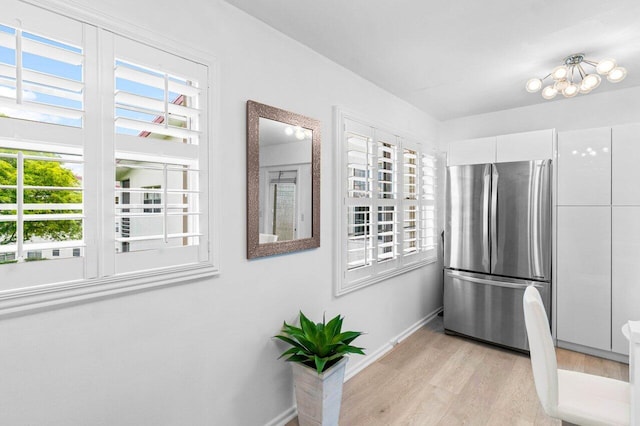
(318, 356)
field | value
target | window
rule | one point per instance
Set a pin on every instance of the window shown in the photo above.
(387, 190)
(152, 198)
(55, 77)
(34, 255)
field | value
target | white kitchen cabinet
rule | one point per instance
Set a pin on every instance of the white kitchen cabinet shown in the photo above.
(625, 278)
(625, 161)
(584, 167)
(526, 146)
(584, 276)
(472, 151)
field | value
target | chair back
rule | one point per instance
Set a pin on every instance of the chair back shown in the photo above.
(543, 354)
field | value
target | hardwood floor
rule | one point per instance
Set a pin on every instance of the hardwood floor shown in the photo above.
(435, 379)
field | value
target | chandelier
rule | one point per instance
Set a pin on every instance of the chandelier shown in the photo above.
(572, 78)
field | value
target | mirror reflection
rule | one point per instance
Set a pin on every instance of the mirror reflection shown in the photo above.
(285, 181)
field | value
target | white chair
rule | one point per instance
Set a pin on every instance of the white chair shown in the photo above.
(571, 396)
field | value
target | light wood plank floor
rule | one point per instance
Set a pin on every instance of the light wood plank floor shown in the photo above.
(435, 379)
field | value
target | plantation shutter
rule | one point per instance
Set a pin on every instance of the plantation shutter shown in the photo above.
(411, 209)
(42, 173)
(358, 202)
(389, 213)
(387, 199)
(41, 77)
(159, 109)
(428, 242)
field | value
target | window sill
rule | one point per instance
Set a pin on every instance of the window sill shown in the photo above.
(345, 288)
(20, 301)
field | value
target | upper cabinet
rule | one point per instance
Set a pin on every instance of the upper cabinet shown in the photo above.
(625, 173)
(526, 146)
(584, 167)
(472, 151)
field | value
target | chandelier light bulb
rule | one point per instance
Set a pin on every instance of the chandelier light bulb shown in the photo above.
(617, 74)
(533, 85)
(571, 90)
(590, 81)
(584, 90)
(549, 92)
(288, 131)
(605, 66)
(560, 85)
(559, 72)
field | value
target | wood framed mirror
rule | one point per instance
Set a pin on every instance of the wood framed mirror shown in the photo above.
(283, 181)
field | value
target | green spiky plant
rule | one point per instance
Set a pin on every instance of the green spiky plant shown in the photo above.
(318, 345)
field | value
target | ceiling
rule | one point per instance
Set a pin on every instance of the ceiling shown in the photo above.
(460, 57)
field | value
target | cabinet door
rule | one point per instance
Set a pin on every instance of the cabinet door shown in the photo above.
(625, 173)
(625, 285)
(584, 276)
(526, 146)
(584, 167)
(472, 151)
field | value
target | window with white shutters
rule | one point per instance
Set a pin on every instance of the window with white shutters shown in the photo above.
(387, 192)
(68, 180)
(158, 104)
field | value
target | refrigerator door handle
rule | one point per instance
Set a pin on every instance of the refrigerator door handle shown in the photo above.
(493, 282)
(538, 225)
(534, 224)
(486, 194)
(493, 226)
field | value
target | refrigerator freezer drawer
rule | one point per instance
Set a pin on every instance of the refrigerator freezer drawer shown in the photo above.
(488, 308)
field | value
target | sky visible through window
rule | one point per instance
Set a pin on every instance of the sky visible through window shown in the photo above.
(39, 90)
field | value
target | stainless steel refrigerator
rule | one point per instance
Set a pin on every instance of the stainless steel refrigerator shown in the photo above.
(497, 242)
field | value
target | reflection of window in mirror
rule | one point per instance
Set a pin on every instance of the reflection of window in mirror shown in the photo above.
(283, 218)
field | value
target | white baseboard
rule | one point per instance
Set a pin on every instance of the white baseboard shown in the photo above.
(284, 418)
(369, 359)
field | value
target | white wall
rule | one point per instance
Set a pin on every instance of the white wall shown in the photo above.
(201, 353)
(596, 109)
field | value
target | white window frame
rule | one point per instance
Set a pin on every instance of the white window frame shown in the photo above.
(348, 280)
(95, 282)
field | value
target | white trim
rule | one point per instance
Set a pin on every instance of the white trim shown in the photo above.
(291, 413)
(284, 417)
(128, 28)
(45, 296)
(342, 290)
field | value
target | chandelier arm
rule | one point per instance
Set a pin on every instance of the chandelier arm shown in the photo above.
(592, 63)
(573, 70)
(581, 71)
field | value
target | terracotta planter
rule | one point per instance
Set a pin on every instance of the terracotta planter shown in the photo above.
(318, 396)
